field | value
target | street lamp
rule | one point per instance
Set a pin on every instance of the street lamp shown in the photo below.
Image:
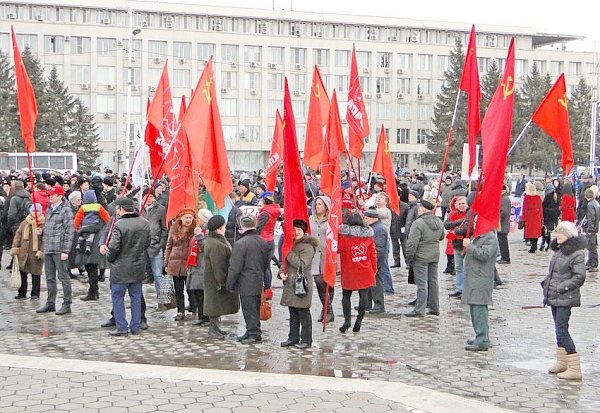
(132, 34)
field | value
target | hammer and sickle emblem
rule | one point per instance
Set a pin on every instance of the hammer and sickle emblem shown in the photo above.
(563, 101)
(508, 88)
(206, 91)
(386, 147)
(317, 90)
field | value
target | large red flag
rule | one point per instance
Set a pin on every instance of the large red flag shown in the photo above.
(495, 138)
(294, 197)
(469, 83)
(152, 139)
(356, 113)
(28, 112)
(333, 146)
(202, 123)
(275, 157)
(553, 117)
(162, 116)
(382, 164)
(183, 191)
(318, 112)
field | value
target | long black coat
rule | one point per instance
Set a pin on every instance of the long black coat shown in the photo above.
(248, 263)
(217, 300)
(130, 238)
(566, 273)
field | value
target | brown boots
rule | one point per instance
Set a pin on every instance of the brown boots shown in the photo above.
(561, 361)
(573, 371)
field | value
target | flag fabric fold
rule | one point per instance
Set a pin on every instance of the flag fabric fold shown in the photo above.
(552, 115)
(137, 168)
(469, 83)
(382, 165)
(356, 113)
(275, 157)
(202, 123)
(294, 197)
(152, 139)
(27, 105)
(318, 113)
(495, 138)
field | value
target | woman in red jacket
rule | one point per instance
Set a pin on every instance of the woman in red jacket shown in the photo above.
(358, 260)
(532, 215)
(567, 203)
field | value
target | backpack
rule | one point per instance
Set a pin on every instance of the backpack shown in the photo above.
(24, 210)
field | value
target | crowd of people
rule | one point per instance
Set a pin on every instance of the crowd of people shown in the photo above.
(92, 222)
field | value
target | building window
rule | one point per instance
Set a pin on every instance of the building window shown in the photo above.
(424, 112)
(80, 75)
(403, 136)
(365, 84)
(341, 83)
(106, 75)
(274, 105)
(228, 107)
(443, 63)
(252, 108)
(106, 47)
(423, 87)
(404, 61)
(205, 51)
(520, 66)
(384, 59)
(541, 65)
(556, 68)
(136, 76)
(383, 85)
(275, 81)
(229, 53)
(403, 111)
(80, 45)
(252, 80)
(575, 68)
(422, 136)
(275, 55)
(299, 108)
(229, 80)
(53, 44)
(107, 131)
(383, 111)
(363, 60)
(297, 56)
(424, 61)
(182, 50)
(252, 54)
(253, 133)
(484, 64)
(181, 78)
(27, 41)
(157, 49)
(342, 58)
(298, 83)
(106, 103)
(401, 160)
(378, 133)
(230, 133)
(321, 57)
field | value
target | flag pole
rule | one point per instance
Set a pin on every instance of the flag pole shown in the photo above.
(519, 137)
(31, 182)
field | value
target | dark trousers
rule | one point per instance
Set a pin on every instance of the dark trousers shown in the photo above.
(444, 210)
(321, 286)
(300, 325)
(197, 301)
(251, 310)
(592, 250)
(35, 285)
(561, 317)
(179, 284)
(92, 272)
(396, 250)
(57, 268)
(479, 319)
(503, 244)
(268, 278)
(376, 298)
(363, 302)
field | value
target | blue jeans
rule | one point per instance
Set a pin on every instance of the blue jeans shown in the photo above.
(117, 291)
(561, 317)
(460, 271)
(383, 268)
(156, 263)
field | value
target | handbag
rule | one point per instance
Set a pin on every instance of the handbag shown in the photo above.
(300, 283)
(166, 290)
(265, 307)
(521, 224)
(15, 275)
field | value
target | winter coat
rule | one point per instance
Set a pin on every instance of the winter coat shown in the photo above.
(58, 229)
(532, 215)
(267, 218)
(156, 216)
(550, 206)
(382, 246)
(358, 257)
(301, 255)
(520, 188)
(592, 216)
(231, 228)
(195, 278)
(129, 239)
(411, 215)
(455, 220)
(479, 265)
(31, 261)
(422, 244)
(566, 273)
(248, 263)
(398, 221)
(567, 208)
(177, 253)
(318, 229)
(446, 194)
(18, 208)
(217, 300)
(505, 214)
(81, 258)
(385, 216)
(458, 189)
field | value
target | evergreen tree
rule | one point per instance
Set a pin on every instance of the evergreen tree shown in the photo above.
(83, 137)
(442, 116)
(59, 113)
(580, 115)
(489, 84)
(9, 117)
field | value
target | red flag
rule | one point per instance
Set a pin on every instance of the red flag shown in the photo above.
(294, 198)
(356, 113)
(318, 112)
(202, 123)
(553, 117)
(275, 156)
(183, 191)
(333, 146)
(495, 138)
(382, 165)
(162, 117)
(28, 112)
(152, 139)
(469, 83)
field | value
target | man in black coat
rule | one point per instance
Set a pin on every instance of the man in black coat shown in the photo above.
(247, 265)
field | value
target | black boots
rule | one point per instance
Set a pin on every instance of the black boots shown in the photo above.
(449, 264)
(358, 322)
(346, 308)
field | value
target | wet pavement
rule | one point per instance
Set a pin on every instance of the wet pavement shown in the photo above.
(426, 352)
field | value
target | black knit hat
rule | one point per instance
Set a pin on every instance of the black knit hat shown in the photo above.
(300, 223)
(216, 222)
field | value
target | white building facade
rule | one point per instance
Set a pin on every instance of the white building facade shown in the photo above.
(401, 64)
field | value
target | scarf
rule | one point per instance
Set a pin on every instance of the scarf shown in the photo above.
(30, 224)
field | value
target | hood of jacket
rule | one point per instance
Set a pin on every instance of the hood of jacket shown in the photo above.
(570, 245)
(89, 197)
(356, 231)
(307, 239)
(326, 200)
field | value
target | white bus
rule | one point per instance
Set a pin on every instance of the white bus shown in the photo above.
(40, 161)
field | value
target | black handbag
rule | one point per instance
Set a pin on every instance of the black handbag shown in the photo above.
(300, 283)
